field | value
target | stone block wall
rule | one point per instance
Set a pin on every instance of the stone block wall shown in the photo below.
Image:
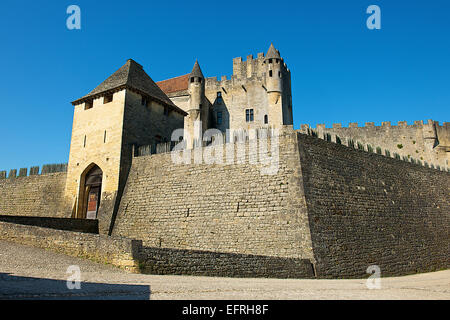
(35, 195)
(207, 263)
(120, 252)
(366, 209)
(229, 208)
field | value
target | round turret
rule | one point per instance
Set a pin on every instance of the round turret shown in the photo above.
(196, 87)
(273, 63)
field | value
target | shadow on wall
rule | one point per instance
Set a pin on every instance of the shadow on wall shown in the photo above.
(28, 288)
(220, 115)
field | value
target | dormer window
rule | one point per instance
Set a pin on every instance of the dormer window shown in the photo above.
(88, 104)
(108, 98)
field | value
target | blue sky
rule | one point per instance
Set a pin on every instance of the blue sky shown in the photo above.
(341, 71)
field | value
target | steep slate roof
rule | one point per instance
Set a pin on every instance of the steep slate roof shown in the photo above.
(174, 84)
(272, 53)
(132, 76)
(196, 71)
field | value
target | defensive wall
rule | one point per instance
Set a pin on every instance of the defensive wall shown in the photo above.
(426, 142)
(36, 194)
(330, 210)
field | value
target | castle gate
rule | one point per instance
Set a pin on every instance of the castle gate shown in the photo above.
(90, 193)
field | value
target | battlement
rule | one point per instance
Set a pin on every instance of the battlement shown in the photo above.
(34, 171)
(385, 124)
(366, 147)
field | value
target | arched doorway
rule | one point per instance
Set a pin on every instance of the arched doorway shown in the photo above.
(90, 193)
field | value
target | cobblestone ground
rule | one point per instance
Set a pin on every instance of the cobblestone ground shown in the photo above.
(33, 273)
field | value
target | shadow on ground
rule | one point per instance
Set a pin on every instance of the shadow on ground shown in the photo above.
(28, 288)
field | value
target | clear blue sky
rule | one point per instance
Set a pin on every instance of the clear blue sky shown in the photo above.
(341, 71)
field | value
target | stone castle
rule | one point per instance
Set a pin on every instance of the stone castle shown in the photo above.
(340, 200)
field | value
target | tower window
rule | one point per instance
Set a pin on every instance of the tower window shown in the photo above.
(108, 98)
(266, 119)
(270, 73)
(270, 60)
(84, 143)
(219, 117)
(104, 137)
(279, 74)
(192, 79)
(249, 115)
(166, 111)
(88, 104)
(219, 94)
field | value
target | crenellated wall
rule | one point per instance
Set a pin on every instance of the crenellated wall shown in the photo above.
(36, 194)
(426, 142)
(367, 209)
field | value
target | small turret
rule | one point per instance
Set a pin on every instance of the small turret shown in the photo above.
(196, 87)
(273, 64)
(193, 122)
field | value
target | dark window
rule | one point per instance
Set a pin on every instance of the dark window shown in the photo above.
(84, 143)
(219, 117)
(144, 101)
(88, 104)
(279, 74)
(108, 98)
(270, 60)
(266, 119)
(219, 94)
(104, 137)
(166, 111)
(249, 115)
(192, 79)
(270, 73)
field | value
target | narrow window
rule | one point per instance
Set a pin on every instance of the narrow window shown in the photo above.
(104, 137)
(192, 79)
(266, 119)
(249, 115)
(108, 98)
(84, 143)
(88, 105)
(166, 111)
(270, 60)
(219, 117)
(270, 73)
(279, 74)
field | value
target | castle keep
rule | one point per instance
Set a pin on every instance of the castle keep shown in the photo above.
(340, 199)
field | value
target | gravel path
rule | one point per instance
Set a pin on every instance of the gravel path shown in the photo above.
(33, 273)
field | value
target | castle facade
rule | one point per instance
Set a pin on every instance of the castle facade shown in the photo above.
(341, 199)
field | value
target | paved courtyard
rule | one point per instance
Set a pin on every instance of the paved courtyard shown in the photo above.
(33, 273)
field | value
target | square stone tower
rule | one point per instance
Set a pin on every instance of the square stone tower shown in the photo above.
(126, 110)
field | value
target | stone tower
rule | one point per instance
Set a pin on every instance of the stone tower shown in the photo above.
(126, 110)
(196, 121)
(280, 110)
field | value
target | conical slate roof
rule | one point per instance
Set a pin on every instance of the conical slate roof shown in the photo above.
(273, 53)
(196, 71)
(130, 75)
